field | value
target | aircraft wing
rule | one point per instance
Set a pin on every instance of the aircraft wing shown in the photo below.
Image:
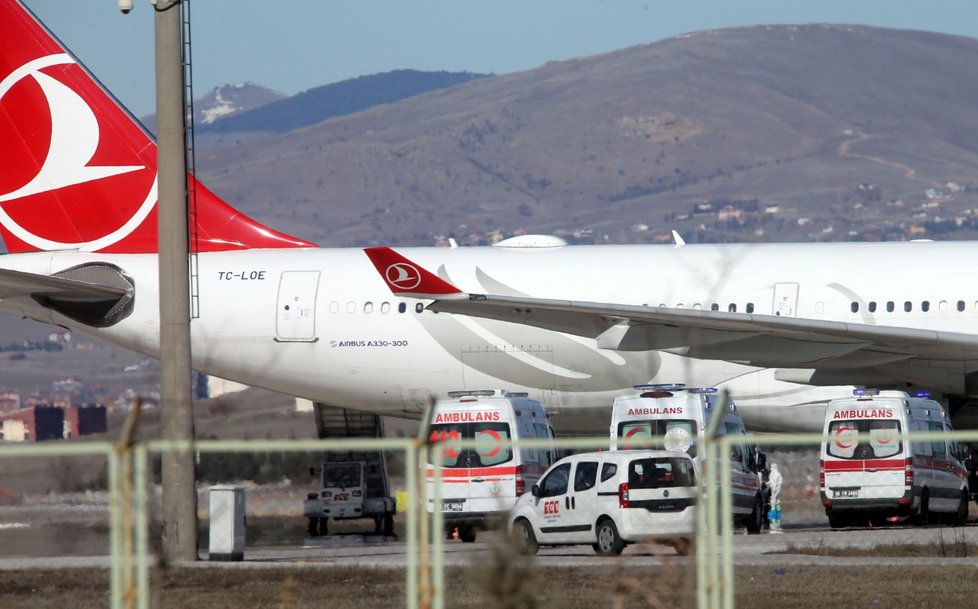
(927, 357)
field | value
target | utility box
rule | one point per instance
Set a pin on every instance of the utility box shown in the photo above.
(227, 523)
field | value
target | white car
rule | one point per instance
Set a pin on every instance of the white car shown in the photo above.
(608, 500)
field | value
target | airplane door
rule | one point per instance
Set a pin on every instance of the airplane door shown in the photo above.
(785, 299)
(295, 319)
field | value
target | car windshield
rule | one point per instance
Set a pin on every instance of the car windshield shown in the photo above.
(490, 444)
(864, 439)
(660, 472)
(681, 432)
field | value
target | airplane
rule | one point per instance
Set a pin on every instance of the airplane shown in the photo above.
(783, 327)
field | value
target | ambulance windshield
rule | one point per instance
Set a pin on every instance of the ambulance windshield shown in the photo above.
(490, 448)
(864, 439)
(671, 431)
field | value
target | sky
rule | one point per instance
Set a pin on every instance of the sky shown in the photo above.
(290, 46)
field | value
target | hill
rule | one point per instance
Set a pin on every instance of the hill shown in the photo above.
(760, 133)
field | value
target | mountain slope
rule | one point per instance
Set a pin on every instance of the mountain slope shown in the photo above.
(837, 125)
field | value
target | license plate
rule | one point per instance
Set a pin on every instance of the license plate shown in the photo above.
(846, 493)
(452, 507)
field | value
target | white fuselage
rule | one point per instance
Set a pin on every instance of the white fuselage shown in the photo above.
(321, 324)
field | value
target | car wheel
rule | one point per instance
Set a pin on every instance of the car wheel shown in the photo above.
(838, 521)
(523, 537)
(609, 541)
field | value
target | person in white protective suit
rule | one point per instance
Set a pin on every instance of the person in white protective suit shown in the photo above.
(775, 480)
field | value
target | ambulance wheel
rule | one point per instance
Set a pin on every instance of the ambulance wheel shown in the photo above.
(684, 546)
(961, 517)
(609, 542)
(313, 529)
(323, 526)
(523, 537)
(839, 521)
(756, 519)
(922, 517)
(388, 525)
(466, 534)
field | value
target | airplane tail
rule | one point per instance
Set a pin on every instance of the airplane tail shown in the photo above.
(79, 171)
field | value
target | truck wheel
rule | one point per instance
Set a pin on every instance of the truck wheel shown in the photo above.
(609, 541)
(523, 537)
(756, 519)
(388, 525)
(312, 530)
(466, 534)
(323, 526)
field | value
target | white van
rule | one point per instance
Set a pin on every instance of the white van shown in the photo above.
(608, 500)
(680, 417)
(869, 474)
(479, 485)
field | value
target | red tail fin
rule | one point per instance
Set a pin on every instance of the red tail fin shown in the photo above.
(79, 172)
(405, 278)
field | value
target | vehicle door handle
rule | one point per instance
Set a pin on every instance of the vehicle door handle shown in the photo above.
(871, 469)
(573, 503)
(567, 502)
(478, 479)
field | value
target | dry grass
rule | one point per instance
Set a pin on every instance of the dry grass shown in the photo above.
(794, 587)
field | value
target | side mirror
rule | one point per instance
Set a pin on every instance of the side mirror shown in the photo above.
(535, 490)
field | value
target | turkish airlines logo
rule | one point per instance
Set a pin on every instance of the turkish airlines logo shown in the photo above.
(403, 276)
(75, 135)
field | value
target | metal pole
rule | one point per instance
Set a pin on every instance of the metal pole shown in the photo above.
(179, 493)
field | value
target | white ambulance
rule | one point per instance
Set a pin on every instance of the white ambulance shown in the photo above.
(869, 474)
(479, 485)
(680, 416)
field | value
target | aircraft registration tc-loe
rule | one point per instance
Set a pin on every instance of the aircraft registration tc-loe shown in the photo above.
(784, 327)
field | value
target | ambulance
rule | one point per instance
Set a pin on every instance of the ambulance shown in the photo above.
(869, 474)
(680, 416)
(480, 484)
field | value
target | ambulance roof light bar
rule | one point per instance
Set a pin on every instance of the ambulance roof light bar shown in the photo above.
(865, 392)
(661, 387)
(702, 390)
(487, 393)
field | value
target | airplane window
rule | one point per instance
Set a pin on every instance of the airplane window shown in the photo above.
(854, 307)
(715, 307)
(889, 306)
(925, 306)
(401, 307)
(368, 307)
(750, 307)
(732, 307)
(942, 307)
(385, 307)
(334, 307)
(418, 308)
(908, 306)
(960, 305)
(351, 307)
(872, 306)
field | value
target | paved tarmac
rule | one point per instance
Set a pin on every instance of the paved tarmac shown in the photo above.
(764, 549)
